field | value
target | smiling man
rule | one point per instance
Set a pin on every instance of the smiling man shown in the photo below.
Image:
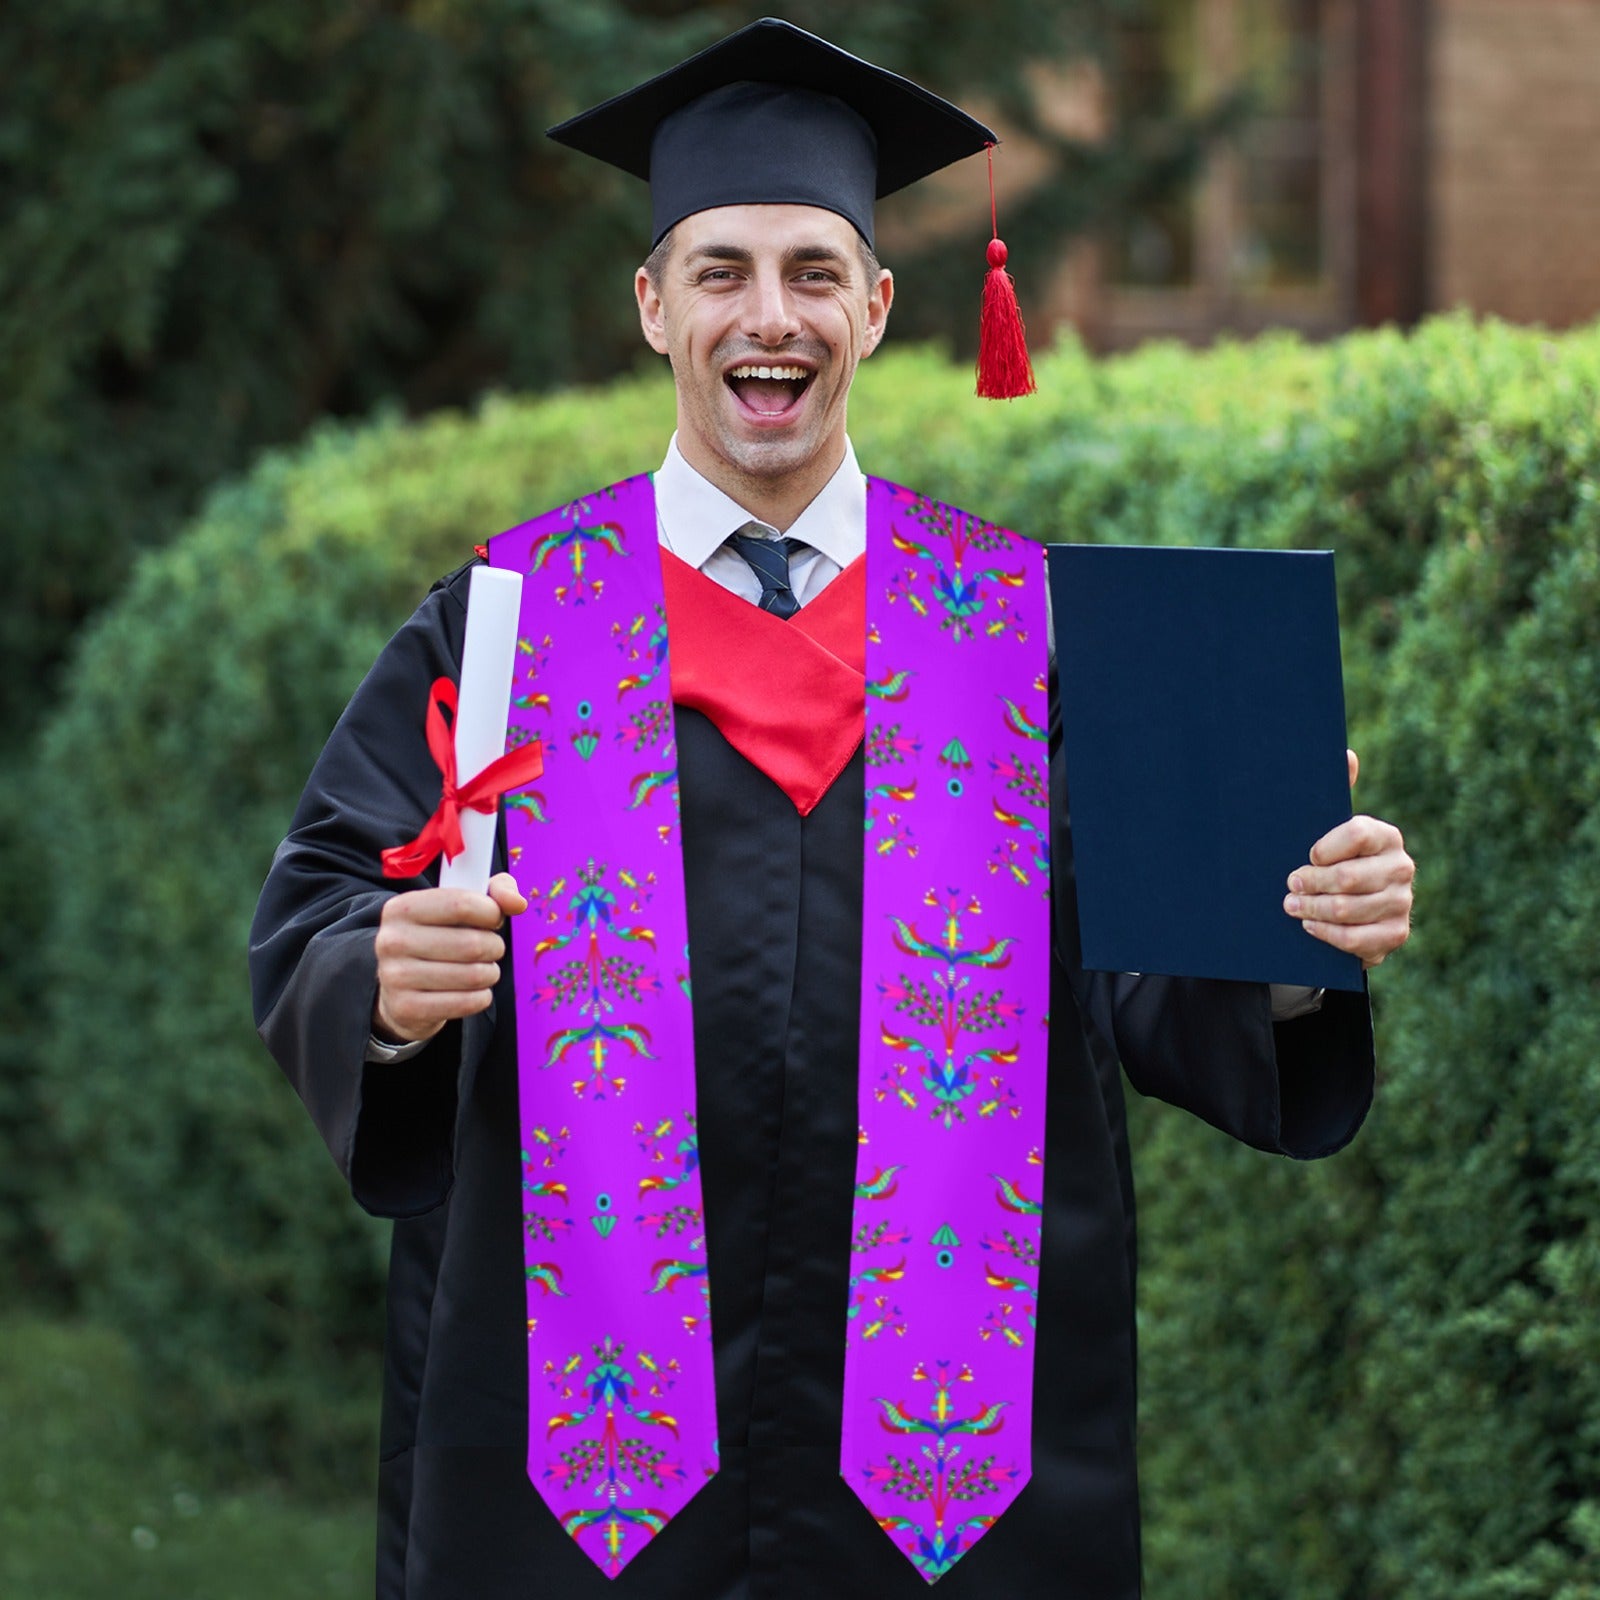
(819, 1282)
(726, 292)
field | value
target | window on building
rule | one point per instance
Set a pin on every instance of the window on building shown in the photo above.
(1264, 235)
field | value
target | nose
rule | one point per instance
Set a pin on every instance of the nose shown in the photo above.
(771, 317)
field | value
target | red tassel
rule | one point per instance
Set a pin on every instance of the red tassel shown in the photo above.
(1004, 370)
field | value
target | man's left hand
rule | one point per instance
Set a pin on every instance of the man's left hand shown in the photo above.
(1355, 893)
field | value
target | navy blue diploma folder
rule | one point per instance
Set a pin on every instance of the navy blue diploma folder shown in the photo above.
(1202, 710)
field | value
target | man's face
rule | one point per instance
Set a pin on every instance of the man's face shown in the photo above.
(776, 289)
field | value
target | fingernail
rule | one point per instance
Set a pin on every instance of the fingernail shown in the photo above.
(1296, 882)
(1291, 904)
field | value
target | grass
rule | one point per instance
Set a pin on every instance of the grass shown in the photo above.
(93, 1504)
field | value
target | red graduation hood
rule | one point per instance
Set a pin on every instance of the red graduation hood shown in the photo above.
(789, 696)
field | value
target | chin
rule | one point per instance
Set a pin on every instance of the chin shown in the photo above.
(770, 457)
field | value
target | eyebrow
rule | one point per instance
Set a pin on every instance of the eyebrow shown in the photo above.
(738, 255)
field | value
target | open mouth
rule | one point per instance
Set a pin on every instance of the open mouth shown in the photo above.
(769, 391)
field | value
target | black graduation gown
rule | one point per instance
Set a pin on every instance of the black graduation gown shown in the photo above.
(774, 915)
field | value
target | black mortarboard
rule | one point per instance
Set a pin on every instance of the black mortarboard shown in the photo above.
(774, 115)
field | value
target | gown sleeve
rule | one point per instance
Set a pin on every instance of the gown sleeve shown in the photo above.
(1299, 1088)
(313, 965)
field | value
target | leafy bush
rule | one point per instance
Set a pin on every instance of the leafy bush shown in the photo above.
(190, 1205)
(1374, 1377)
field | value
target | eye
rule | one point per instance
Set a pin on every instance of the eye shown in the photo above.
(718, 275)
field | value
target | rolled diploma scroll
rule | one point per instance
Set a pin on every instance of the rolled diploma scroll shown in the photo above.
(488, 661)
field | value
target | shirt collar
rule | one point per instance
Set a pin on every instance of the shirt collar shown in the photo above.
(696, 517)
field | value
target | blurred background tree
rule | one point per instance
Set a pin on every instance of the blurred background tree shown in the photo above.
(220, 224)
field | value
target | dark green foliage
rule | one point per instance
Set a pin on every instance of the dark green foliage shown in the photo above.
(1497, 1037)
(1377, 1378)
(189, 1204)
(1369, 1379)
(24, 1140)
(220, 224)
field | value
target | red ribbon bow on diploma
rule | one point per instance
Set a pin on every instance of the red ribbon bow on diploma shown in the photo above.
(442, 832)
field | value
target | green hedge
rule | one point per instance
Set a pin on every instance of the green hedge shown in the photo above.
(1378, 1377)
(191, 1202)
(1371, 1378)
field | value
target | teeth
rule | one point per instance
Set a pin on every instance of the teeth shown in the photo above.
(798, 374)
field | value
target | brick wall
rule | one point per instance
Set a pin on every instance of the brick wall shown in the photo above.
(1514, 177)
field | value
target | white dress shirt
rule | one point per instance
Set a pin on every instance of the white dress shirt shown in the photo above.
(694, 518)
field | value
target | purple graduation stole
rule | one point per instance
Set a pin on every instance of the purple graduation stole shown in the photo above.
(945, 1239)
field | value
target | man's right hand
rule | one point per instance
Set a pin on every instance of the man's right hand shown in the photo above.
(439, 956)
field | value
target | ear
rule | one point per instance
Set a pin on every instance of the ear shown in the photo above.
(652, 315)
(879, 300)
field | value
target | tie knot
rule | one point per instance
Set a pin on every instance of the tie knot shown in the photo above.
(769, 558)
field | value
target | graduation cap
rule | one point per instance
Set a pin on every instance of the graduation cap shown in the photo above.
(773, 115)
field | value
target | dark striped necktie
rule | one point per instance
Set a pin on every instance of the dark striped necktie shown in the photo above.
(769, 560)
